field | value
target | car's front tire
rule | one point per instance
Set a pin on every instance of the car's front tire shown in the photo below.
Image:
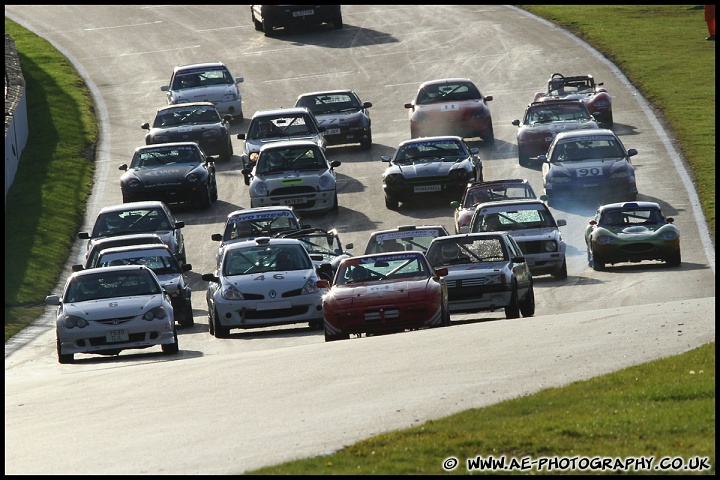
(561, 273)
(219, 330)
(597, 262)
(527, 307)
(329, 337)
(513, 309)
(205, 199)
(489, 137)
(66, 357)
(226, 155)
(674, 260)
(391, 203)
(187, 317)
(172, 348)
(523, 157)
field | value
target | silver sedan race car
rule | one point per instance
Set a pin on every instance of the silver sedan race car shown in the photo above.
(486, 272)
(192, 122)
(262, 283)
(106, 310)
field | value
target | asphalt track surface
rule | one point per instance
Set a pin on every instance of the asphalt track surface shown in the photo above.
(266, 396)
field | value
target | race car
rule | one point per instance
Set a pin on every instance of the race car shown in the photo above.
(580, 87)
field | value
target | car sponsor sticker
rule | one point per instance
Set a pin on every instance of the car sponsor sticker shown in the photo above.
(244, 217)
(428, 232)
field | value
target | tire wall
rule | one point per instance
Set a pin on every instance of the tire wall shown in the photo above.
(16, 119)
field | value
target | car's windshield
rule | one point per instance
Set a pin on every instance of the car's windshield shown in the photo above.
(161, 156)
(264, 259)
(387, 267)
(290, 159)
(418, 240)
(445, 252)
(110, 285)
(251, 225)
(447, 92)
(484, 194)
(549, 113)
(422, 152)
(202, 78)
(496, 219)
(131, 221)
(198, 115)
(159, 261)
(630, 217)
(281, 126)
(587, 149)
(330, 103)
(321, 244)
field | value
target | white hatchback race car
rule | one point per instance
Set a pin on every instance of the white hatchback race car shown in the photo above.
(261, 283)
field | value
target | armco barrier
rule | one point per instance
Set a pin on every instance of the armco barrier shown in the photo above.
(16, 119)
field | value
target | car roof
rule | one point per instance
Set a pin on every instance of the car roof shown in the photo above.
(408, 228)
(114, 268)
(133, 248)
(122, 207)
(185, 105)
(500, 203)
(600, 132)
(287, 144)
(628, 205)
(440, 81)
(149, 237)
(190, 66)
(436, 138)
(326, 92)
(281, 112)
(168, 145)
(551, 101)
(264, 240)
(262, 210)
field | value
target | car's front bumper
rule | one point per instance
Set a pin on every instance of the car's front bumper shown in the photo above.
(264, 313)
(98, 337)
(381, 318)
(637, 251)
(464, 296)
(314, 201)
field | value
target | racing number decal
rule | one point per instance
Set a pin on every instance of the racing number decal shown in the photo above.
(589, 172)
(277, 276)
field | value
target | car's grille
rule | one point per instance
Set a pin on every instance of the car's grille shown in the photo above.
(378, 315)
(534, 246)
(115, 320)
(253, 296)
(294, 190)
(292, 293)
(466, 282)
(638, 247)
(279, 313)
(133, 337)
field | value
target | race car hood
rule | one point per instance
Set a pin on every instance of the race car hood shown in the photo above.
(553, 128)
(607, 165)
(473, 270)
(211, 93)
(450, 110)
(546, 233)
(122, 307)
(171, 282)
(263, 283)
(332, 120)
(635, 231)
(171, 175)
(377, 292)
(426, 169)
(256, 144)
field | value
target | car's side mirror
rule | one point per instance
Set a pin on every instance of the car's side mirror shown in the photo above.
(561, 222)
(516, 123)
(227, 118)
(366, 105)
(464, 229)
(542, 158)
(239, 80)
(123, 167)
(441, 272)
(518, 259)
(385, 158)
(488, 98)
(322, 284)
(180, 224)
(335, 163)
(52, 300)
(186, 267)
(241, 136)
(145, 126)
(321, 129)
(210, 277)
(77, 268)
(216, 236)
(84, 235)
(408, 105)
(455, 204)
(632, 152)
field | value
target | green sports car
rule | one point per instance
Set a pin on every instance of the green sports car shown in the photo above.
(631, 232)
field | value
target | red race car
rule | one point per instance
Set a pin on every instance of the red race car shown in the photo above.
(581, 87)
(385, 293)
(451, 106)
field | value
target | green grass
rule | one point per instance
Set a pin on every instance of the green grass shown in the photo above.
(655, 409)
(662, 408)
(48, 196)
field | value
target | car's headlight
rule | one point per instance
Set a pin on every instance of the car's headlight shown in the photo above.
(394, 179)
(601, 103)
(229, 97)
(210, 134)
(621, 174)
(326, 182)
(550, 245)
(72, 321)
(253, 157)
(605, 239)
(133, 183)
(160, 139)
(668, 235)
(157, 313)
(193, 178)
(182, 100)
(479, 113)
(458, 174)
(229, 292)
(493, 280)
(260, 189)
(310, 286)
